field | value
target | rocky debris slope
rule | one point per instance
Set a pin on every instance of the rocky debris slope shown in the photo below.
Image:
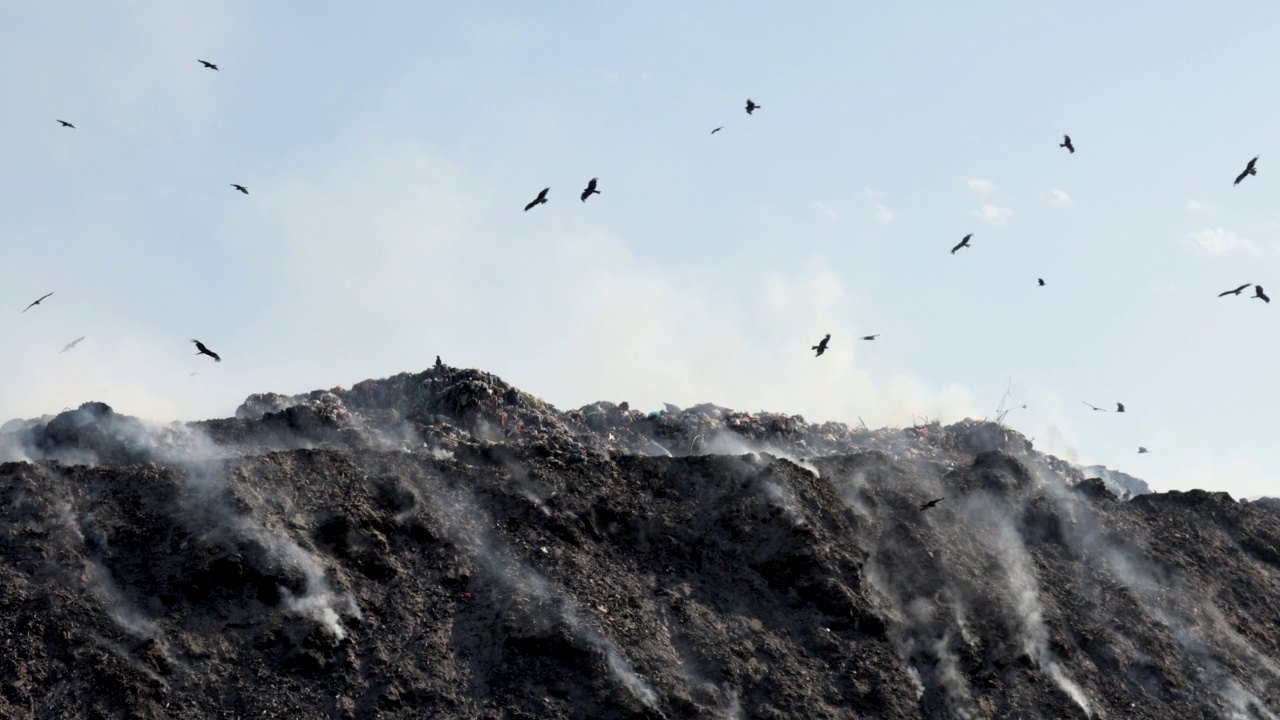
(445, 545)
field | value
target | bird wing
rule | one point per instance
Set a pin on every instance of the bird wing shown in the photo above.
(1241, 177)
(543, 195)
(592, 185)
(1252, 162)
(529, 207)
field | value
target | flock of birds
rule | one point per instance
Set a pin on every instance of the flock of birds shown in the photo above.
(200, 347)
(1258, 292)
(822, 346)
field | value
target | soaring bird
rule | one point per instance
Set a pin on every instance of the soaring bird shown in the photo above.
(67, 124)
(963, 243)
(241, 188)
(871, 337)
(751, 106)
(1237, 291)
(821, 347)
(1248, 170)
(1257, 292)
(1095, 407)
(1119, 407)
(207, 64)
(71, 345)
(713, 132)
(42, 297)
(1142, 450)
(202, 350)
(542, 197)
(591, 190)
(1040, 282)
(930, 504)
(1066, 143)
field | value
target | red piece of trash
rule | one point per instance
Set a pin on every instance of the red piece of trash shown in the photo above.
(464, 596)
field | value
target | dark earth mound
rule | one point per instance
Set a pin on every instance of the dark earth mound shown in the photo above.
(443, 545)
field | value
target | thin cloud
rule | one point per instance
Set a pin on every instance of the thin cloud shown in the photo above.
(1217, 241)
(884, 215)
(1198, 208)
(824, 208)
(994, 214)
(979, 185)
(1059, 198)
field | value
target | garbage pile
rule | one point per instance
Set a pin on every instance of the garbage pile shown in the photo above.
(447, 409)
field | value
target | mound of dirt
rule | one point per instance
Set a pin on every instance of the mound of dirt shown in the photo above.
(445, 545)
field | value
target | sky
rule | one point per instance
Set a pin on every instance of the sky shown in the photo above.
(389, 151)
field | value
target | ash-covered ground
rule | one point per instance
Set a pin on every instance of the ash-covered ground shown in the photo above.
(443, 545)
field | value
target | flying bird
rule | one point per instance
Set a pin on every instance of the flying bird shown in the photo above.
(202, 350)
(1040, 282)
(1248, 170)
(1066, 143)
(35, 303)
(71, 345)
(821, 347)
(1119, 407)
(713, 132)
(1095, 407)
(1142, 450)
(591, 190)
(1237, 291)
(207, 64)
(751, 106)
(67, 124)
(241, 188)
(963, 243)
(930, 504)
(871, 337)
(542, 198)
(1257, 292)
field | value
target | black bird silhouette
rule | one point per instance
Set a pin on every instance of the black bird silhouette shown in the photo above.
(1040, 282)
(871, 337)
(1066, 143)
(751, 106)
(713, 132)
(930, 504)
(207, 64)
(42, 297)
(542, 197)
(202, 350)
(591, 190)
(1095, 407)
(241, 188)
(1119, 407)
(1257, 292)
(821, 347)
(67, 124)
(1237, 291)
(1248, 170)
(963, 243)
(71, 344)
(1142, 450)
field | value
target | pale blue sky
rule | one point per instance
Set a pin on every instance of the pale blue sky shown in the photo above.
(389, 150)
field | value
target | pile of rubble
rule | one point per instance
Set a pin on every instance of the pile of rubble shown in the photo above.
(445, 409)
